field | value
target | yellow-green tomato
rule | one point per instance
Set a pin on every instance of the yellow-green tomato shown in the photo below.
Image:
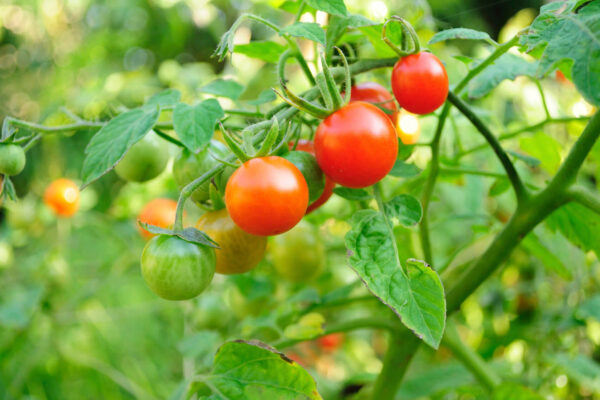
(189, 166)
(176, 269)
(238, 251)
(12, 159)
(298, 255)
(145, 160)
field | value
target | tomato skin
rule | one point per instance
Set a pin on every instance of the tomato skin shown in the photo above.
(175, 269)
(372, 92)
(158, 212)
(307, 164)
(298, 255)
(62, 196)
(266, 196)
(144, 161)
(331, 342)
(239, 251)
(309, 147)
(12, 159)
(189, 166)
(356, 146)
(420, 83)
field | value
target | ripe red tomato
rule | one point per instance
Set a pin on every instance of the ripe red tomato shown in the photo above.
(420, 83)
(356, 146)
(266, 196)
(62, 196)
(158, 212)
(372, 92)
(309, 147)
(331, 342)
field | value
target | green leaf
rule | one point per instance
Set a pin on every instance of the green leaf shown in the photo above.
(580, 369)
(266, 96)
(404, 150)
(201, 345)
(373, 34)
(224, 88)
(460, 33)
(307, 30)
(352, 194)
(18, 305)
(499, 186)
(191, 235)
(254, 371)
(416, 294)
(263, 50)
(195, 125)
(111, 143)
(512, 391)
(338, 26)
(405, 208)
(530, 161)
(433, 380)
(579, 225)
(565, 31)
(404, 170)
(534, 246)
(168, 97)
(590, 308)
(507, 66)
(545, 148)
(308, 327)
(335, 7)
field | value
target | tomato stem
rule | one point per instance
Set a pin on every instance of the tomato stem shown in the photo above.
(407, 32)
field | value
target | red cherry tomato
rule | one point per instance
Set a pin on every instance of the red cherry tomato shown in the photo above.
(356, 146)
(266, 196)
(309, 147)
(372, 92)
(420, 83)
(331, 342)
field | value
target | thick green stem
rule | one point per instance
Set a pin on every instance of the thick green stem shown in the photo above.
(401, 349)
(585, 197)
(513, 176)
(470, 358)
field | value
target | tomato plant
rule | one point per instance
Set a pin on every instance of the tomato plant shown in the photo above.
(266, 196)
(238, 251)
(176, 269)
(465, 217)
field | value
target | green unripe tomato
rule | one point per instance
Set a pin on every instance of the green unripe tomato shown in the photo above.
(12, 159)
(189, 166)
(298, 255)
(307, 164)
(176, 269)
(145, 160)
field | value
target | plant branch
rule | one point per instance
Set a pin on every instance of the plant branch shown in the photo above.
(585, 197)
(470, 358)
(513, 176)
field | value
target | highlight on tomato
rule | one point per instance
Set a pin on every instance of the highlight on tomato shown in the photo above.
(420, 83)
(238, 251)
(374, 93)
(144, 161)
(356, 146)
(408, 127)
(62, 196)
(176, 269)
(309, 147)
(158, 212)
(266, 196)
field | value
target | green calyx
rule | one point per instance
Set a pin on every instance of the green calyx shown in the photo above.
(410, 41)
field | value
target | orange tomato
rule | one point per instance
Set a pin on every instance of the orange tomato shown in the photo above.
(62, 196)
(408, 127)
(158, 212)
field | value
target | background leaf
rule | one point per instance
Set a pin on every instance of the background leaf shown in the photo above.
(578, 224)
(405, 208)
(569, 32)
(224, 88)
(195, 125)
(306, 30)
(460, 33)
(263, 50)
(112, 142)
(168, 97)
(254, 371)
(507, 66)
(416, 296)
(352, 194)
(544, 148)
(335, 7)
(404, 170)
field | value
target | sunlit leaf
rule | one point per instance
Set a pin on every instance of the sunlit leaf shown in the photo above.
(263, 50)
(195, 125)
(460, 33)
(507, 66)
(306, 30)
